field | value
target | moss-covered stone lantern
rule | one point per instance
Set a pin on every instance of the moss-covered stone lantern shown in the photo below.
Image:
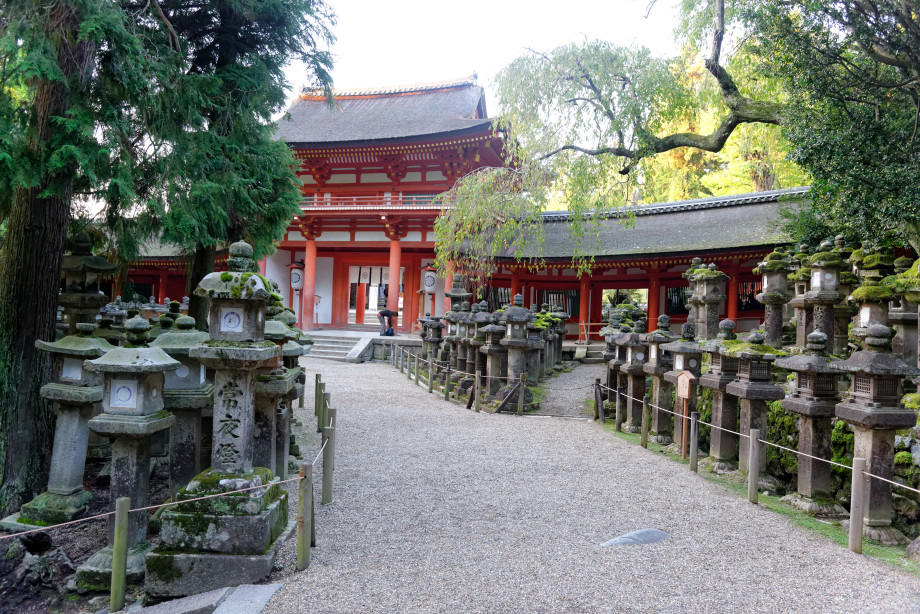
(480, 319)
(75, 392)
(723, 443)
(81, 298)
(687, 355)
(710, 293)
(800, 279)
(659, 363)
(132, 411)
(495, 353)
(902, 314)
(515, 341)
(873, 408)
(187, 393)
(754, 386)
(824, 292)
(774, 271)
(633, 369)
(813, 399)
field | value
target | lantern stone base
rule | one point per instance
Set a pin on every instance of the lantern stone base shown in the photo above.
(718, 466)
(824, 508)
(96, 573)
(886, 535)
(48, 509)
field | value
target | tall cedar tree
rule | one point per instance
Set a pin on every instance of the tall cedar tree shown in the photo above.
(96, 98)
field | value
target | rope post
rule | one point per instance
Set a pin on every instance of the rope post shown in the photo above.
(330, 415)
(618, 415)
(417, 361)
(430, 376)
(521, 394)
(857, 504)
(477, 390)
(753, 465)
(694, 440)
(317, 399)
(304, 517)
(119, 554)
(324, 415)
(447, 383)
(328, 452)
(409, 366)
(598, 401)
(646, 418)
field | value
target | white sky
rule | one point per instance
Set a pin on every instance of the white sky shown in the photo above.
(404, 42)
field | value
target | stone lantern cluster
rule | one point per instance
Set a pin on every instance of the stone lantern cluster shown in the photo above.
(659, 363)
(801, 284)
(774, 294)
(81, 299)
(686, 355)
(723, 370)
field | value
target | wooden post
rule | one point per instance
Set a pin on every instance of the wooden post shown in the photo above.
(599, 401)
(694, 440)
(618, 413)
(857, 504)
(304, 516)
(753, 465)
(409, 365)
(478, 390)
(328, 452)
(317, 399)
(447, 383)
(683, 431)
(430, 376)
(324, 414)
(333, 423)
(521, 394)
(646, 417)
(418, 358)
(119, 554)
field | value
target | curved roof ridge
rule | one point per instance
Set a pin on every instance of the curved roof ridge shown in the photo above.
(689, 205)
(307, 93)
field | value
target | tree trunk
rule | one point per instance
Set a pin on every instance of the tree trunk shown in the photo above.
(30, 273)
(201, 264)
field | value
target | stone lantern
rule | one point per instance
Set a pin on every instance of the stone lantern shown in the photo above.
(754, 387)
(902, 314)
(774, 293)
(186, 394)
(81, 298)
(434, 339)
(659, 363)
(534, 348)
(710, 295)
(633, 369)
(75, 393)
(874, 410)
(457, 294)
(823, 292)
(910, 283)
(687, 355)
(609, 334)
(233, 533)
(480, 319)
(495, 354)
(843, 314)
(132, 411)
(801, 284)
(515, 340)
(452, 318)
(275, 388)
(693, 303)
(462, 341)
(872, 300)
(561, 317)
(813, 399)
(723, 444)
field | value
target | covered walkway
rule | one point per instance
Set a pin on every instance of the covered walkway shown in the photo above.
(440, 509)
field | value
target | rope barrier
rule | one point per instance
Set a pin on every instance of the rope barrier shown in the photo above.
(892, 482)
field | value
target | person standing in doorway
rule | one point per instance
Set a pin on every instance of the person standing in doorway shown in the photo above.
(385, 317)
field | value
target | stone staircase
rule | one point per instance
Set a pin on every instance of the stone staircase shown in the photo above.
(595, 355)
(332, 348)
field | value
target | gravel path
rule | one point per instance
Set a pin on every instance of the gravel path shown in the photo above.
(566, 392)
(440, 509)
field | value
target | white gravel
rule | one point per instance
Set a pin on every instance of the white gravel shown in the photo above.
(439, 509)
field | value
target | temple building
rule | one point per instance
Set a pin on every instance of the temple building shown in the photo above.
(374, 161)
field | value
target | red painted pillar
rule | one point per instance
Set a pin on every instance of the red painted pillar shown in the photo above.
(731, 308)
(515, 284)
(583, 305)
(309, 285)
(360, 298)
(161, 288)
(448, 284)
(263, 266)
(654, 291)
(393, 284)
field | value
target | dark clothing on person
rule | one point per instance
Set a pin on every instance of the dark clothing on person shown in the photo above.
(385, 317)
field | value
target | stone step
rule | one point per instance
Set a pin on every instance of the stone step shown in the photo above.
(337, 342)
(592, 361)
(324, 352)
(242, 599)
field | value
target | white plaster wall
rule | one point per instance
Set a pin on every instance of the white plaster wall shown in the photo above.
(374, 178)
(413, 235)
(429, 237)
(368, 235)
(435, 176)
(414, 176)
(334, 235)
(276, 270)
(343, 178)
(324, 270)
(295, 235)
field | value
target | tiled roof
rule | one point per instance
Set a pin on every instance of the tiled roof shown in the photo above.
(703, 225)
(384, 114)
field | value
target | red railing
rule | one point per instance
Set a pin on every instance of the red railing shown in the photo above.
(375, 201)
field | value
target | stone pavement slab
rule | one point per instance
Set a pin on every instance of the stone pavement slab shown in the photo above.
(248, 599)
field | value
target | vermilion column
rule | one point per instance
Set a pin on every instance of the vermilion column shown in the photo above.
(731, 308)
(360, 298)
(161, 290)
(654, 291)
(583, 314)
(393, 285)
(263, 266)
(515, 284)
(309, 285)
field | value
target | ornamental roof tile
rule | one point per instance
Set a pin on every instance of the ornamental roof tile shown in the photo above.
(384, 114)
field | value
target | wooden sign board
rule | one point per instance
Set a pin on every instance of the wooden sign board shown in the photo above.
(684, 378)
